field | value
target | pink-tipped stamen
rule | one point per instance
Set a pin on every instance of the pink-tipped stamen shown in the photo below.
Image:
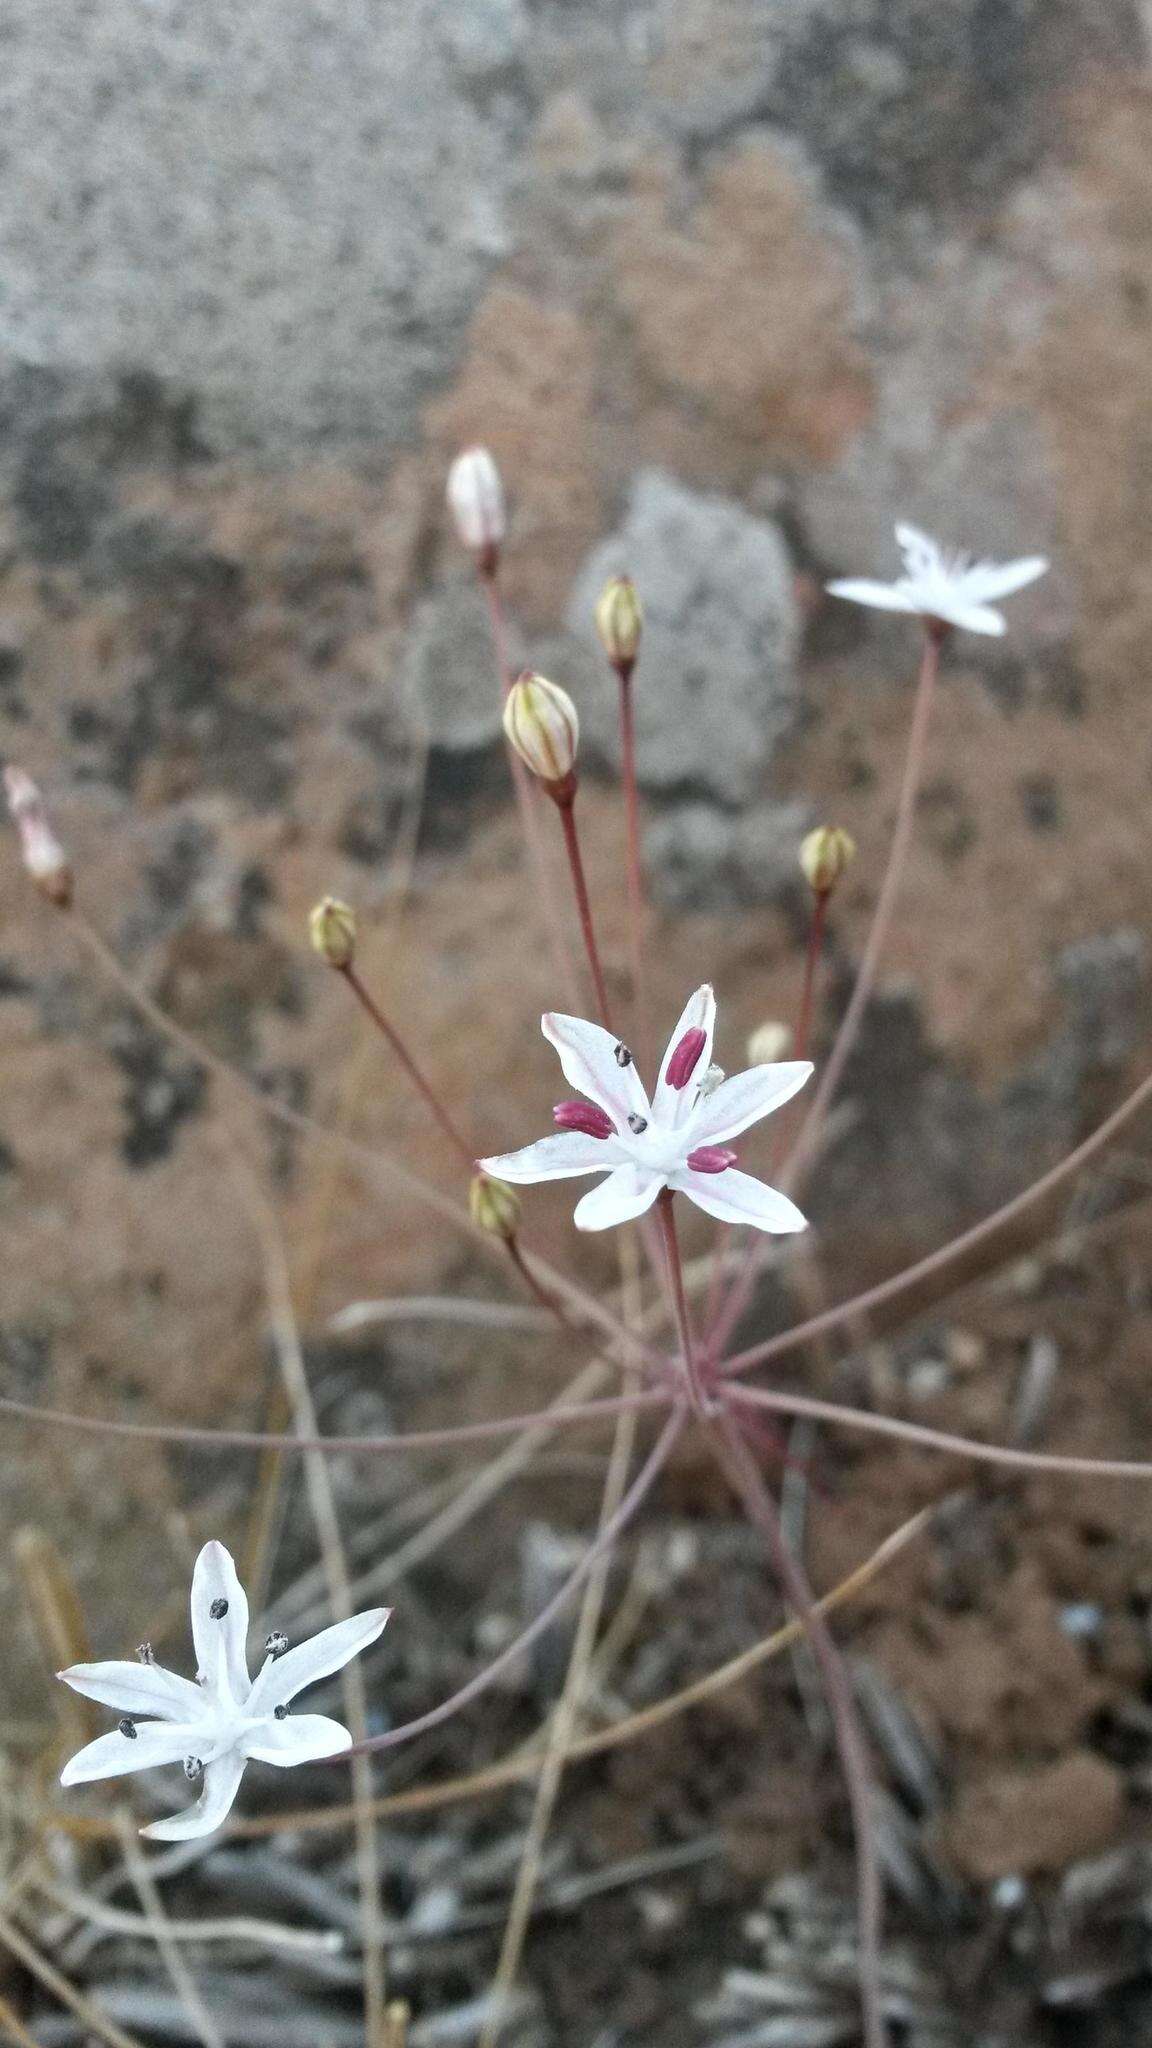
(583, 1116)
(685, 1058)
(712, 1158)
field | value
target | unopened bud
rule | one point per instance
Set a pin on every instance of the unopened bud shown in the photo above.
(541, 724)
(332, 928)
(769, 1043)
(476, 502)
(43, 855)
(825, 855)
(620, 621)
(494, 1205)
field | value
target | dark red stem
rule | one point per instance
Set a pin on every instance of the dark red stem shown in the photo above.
(850, 1741)
(671, 1243)
(635, 866)
(419, 1080)
(565, 800)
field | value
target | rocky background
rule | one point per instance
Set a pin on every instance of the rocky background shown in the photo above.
(727, 286)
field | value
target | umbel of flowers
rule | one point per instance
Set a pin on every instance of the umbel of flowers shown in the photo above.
(644, 1146)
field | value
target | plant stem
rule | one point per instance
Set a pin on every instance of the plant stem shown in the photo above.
(761, 1510)
(566, 805)
(479, 1683)
(936, 1439)
(816, 932)
(740, 1293)
(537, 1290)
(562, 1728)
(719, 1329)
(524, 1763)
(418, 1078)
(528, 803)
(635, 865)
(370, 1158)
(934, 636)
(675, 1273)
(374, 1446)
(945, 1255)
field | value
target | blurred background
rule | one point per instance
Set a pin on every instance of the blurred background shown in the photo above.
(727, 286)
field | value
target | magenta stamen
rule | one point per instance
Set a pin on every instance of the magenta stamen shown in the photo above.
(712, 1158)
(583, 1116)
(685, 1058)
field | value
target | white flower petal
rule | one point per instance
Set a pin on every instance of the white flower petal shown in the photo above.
(560, 1157)
(221, 1784)
(137, 1689)
(739, 1198)
(114, 1755)
(220, 1639)
(588, 1057)
(745, 1098)
(986, 581)
(672, 1107)
(971, 618)
(921, 553)
(283, 1677)
(883, 597)
(626, 1193)
(301, 1739)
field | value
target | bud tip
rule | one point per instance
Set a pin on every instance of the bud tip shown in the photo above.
(825, 856)
(332, 929)
(493, 1205)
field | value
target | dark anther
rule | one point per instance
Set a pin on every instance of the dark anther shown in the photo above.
(146, 1653)
(623, 1056)
(280, 1713)
(276, 1643)
(128, 1728)
(218, 1610)
(193, 1767)
(637, 1124)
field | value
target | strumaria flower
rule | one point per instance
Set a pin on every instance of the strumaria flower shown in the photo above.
(225, 1719)
(678, 1140)
(948, 588)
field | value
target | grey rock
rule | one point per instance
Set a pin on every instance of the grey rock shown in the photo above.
(701, 858)
(447, 682)
(715, 685)
(290, 206)
(1102, 983)
(486, 40)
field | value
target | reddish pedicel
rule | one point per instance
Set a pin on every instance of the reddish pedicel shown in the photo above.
(685, 1058)
(711, 1158)
(583, 1116)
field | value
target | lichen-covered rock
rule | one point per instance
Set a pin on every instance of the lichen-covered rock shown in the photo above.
(715, 686)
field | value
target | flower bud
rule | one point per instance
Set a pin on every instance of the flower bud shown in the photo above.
(494, 1205)
(476, 502)
(620, 621)
(42, 853)
(769, 1043)
(332, 928)
(825, 855)
(541, 724)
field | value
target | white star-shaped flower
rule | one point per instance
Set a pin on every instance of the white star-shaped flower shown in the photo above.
(679, 1140)
(217, 1725)
(950, 588)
